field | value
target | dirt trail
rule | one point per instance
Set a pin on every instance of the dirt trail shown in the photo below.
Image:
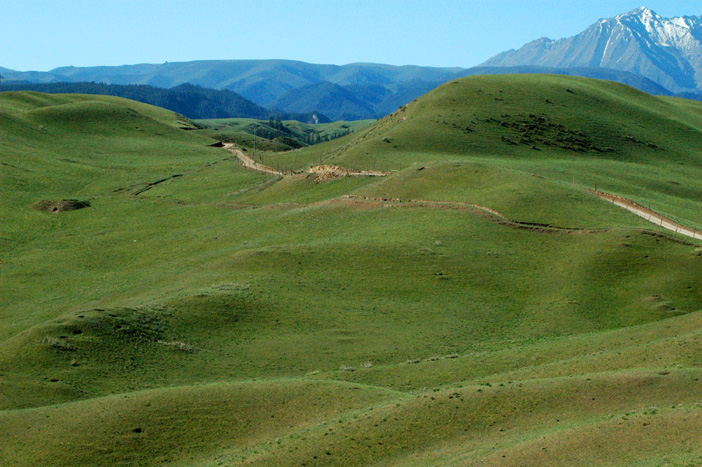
(249, 163)
(484, 210)
(328, 172)
(323, 172)
(648, 214)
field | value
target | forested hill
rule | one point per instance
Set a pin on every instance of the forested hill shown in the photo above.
(186, 99)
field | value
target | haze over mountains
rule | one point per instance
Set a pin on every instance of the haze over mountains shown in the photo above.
(640, 48)
(355, 91)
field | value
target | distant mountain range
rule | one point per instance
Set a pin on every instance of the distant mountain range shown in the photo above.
(186, 99)
(667, 51)
(356, 91)
(640, 48)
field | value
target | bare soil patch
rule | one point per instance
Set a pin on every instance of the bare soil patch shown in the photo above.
(60, 205)
(330, 172)
(249, 163)
(323, 172)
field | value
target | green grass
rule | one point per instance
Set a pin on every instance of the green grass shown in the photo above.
(176, 425)
(239, 318)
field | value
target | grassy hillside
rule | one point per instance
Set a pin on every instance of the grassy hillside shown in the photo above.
(630, 79)
(565, 129)
(475, 307)
(363, 90)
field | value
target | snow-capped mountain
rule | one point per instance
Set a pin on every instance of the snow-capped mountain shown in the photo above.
(665, 50)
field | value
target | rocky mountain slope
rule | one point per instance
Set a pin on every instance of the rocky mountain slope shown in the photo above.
(665, 50)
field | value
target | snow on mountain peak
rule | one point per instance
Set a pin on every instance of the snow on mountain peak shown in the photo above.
(666, 32)
(641, 12)
(641, 42)
(681, 22)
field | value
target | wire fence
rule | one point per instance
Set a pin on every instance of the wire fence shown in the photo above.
(648, 214)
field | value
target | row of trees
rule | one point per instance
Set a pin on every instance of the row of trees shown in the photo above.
(277, 124)
(315, 137)
(276, 129)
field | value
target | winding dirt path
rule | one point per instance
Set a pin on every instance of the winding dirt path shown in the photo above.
(324, 171)
(648, 214)
(249, 163)
(474, 208)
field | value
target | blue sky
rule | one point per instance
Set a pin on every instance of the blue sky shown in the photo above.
(41, 35)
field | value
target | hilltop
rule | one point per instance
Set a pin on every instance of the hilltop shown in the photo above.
(474, 306)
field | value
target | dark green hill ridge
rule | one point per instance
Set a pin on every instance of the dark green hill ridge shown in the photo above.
(338, 103)
(185, 99)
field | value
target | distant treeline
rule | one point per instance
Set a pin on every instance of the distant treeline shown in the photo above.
(186, 99)
(277, 130)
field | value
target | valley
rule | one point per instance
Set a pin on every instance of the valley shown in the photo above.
(442, 286)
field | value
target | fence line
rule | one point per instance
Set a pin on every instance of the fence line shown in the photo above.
(648, 214)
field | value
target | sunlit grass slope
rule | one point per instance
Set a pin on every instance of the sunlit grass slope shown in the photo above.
(475, 307)
(572, 130)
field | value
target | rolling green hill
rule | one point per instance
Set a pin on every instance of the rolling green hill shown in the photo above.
(474, 307)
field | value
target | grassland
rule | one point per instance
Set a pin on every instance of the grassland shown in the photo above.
(198, 313)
